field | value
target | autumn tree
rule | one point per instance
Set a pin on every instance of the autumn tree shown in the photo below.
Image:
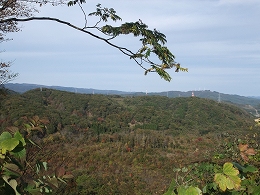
(5, 74)
(152, 42)
(13, 8)
(8, 9)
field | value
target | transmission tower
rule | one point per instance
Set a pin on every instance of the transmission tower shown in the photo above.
(219, 100)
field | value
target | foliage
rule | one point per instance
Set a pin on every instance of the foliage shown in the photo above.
(232, 178)
(17, 173)
(245, 151)
(12, 8)
(5, 74)
(257, 122)
(113, 144)
(228, 179)
(152, 41)
(133, 145)
(103, 114)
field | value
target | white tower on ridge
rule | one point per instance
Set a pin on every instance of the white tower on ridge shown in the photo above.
(219, 100)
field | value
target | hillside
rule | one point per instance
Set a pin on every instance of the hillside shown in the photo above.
(115, 113)
(126, 145)
(250, 104)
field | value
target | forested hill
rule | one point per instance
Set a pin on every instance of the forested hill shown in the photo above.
(251, 104)
(113, 113)
(125, 145)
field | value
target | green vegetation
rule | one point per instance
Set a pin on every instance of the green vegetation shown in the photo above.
(137, 145)
(109, 114)
(238, 177)
(20, 172)
(251, 105)
(121, 145)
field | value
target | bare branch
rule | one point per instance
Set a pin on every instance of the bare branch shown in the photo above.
(5, 74)
(85, 16)
(152, 41)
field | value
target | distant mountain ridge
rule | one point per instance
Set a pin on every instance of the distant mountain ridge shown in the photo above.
(251, 104)
(24, 87)
(114, 113)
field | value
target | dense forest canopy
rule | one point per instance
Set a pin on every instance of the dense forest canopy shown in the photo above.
(120, 145)
(116, 113)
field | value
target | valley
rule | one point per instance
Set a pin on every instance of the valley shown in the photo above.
(116, 144)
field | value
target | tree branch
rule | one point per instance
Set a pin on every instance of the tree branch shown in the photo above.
(122, 49)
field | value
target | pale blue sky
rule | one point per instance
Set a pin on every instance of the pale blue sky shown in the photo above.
(217, 40)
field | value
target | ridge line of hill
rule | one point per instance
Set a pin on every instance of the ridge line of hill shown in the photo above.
(250, 104)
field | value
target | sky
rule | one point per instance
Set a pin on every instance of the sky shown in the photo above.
(217, 40)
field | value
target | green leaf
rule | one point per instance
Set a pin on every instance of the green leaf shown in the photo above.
(189, 190)
(19, 137)
(27, 126)
(193, 191)
(229, 178)
(235, 180)
(205, 189)
(40, 165)
(31, 185)
(8, 145)
(250, 169)
(181, 190)
(171, 188)
(148, 52)
(11, 169)
(12, 183)
(246, 168)
(46, 190)
(184, 170)
(5, 135)
(228, 169)
(256, 190)
(19, 152)
(230, 184)
(220, 179)
(45, 165)
(238, 166)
